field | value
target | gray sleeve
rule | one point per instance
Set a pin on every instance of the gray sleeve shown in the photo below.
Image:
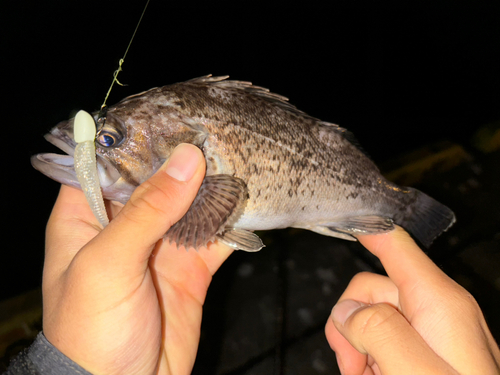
(44, 358)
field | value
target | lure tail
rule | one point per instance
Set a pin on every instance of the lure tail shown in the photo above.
(86, 167)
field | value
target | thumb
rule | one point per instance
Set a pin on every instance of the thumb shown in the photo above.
(383, 333)
(153, 208)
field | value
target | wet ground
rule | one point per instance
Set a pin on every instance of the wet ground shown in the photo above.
(265, 312)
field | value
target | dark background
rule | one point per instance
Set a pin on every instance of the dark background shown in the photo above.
(397, 74)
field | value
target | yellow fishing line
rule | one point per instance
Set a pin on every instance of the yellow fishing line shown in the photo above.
(122, 60)
(85, 163)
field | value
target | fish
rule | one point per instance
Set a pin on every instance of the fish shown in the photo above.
(269, 165)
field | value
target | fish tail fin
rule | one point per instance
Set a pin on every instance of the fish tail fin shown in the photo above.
(425, 218)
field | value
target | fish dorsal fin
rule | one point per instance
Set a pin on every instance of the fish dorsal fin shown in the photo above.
(279, 100)
(207, 79)
(220, 196)
(328, 126)
(245, 86)
(223, 82)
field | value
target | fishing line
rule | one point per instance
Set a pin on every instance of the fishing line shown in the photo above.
(102, 113)
(85, 129)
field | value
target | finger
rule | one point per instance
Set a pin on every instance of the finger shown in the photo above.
(68, 229)
(349, 360)
(190, 271)
(152, 209)
(181, 281)
(383, 333)
(405, 263)
(216, 255)
(370, 289)
(434, 304)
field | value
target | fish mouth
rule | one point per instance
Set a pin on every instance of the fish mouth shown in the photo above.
(61, 167)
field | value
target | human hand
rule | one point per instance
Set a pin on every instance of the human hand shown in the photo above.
(416, 321)
(120, 300)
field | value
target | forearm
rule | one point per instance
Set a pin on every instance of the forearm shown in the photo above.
(44, 358)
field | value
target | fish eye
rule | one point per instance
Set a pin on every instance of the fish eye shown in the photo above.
(109, 138)
(106, 140)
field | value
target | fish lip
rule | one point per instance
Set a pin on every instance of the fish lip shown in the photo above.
(61, 167)
(61, 141)
(58, 167)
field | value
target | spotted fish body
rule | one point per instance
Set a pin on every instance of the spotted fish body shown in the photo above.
(269, 166)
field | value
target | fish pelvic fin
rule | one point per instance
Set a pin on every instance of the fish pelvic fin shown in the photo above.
(220, 198)
(241, 239)
(425, 218)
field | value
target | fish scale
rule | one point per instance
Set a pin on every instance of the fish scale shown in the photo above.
(269, 165)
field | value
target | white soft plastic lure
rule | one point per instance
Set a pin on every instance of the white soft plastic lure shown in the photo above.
(85, 164)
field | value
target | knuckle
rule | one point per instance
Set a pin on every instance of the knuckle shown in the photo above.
(147, 200)
(365, 281)
(376, 318)
(362, 277)
(359, 281)
(465, 302)
(458, 299)
(454, 299)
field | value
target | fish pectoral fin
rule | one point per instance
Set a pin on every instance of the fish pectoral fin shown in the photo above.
(240, 239)
(370, 224)
(220, 198)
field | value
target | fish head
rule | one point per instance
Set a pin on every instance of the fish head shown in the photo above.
(138, 136)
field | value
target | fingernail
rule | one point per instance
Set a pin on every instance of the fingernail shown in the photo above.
(344, 309)
(183, 162)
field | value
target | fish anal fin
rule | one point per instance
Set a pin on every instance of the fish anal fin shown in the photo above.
(241, 239)
(349, 227)
(329, 231)
(220, 196)
(369, 224)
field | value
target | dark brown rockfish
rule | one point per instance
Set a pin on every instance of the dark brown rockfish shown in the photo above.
(269, 166)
